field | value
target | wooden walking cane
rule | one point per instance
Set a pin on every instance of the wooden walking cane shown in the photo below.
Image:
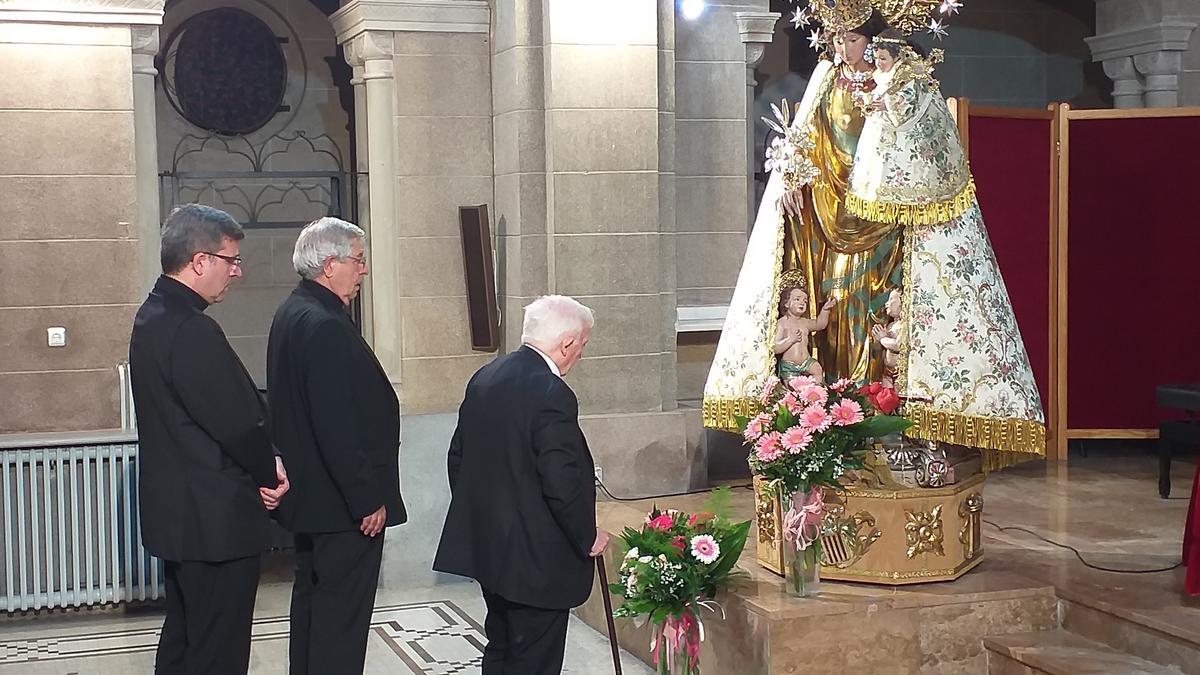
(608, 614)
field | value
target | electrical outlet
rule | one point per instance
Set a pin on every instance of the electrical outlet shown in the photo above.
(599, 475)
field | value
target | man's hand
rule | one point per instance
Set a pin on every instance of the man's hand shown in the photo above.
(270, 497)
(602, 538)
(374, 523)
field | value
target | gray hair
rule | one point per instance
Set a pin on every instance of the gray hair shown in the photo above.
(551, 318)
(322, 239)
(192, 229)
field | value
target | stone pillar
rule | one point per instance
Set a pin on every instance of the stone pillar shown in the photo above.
(1143, 46)
(757, 29)
(429, 151)
(375, 49)
(1127, 84)
(361, 170)
(1160, 71)
(145, 150)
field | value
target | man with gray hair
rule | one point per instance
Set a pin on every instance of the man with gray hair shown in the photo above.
(208, 474)
(522, 518)
(336, 421)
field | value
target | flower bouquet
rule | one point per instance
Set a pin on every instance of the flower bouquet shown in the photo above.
(674, 566)
(804, 437)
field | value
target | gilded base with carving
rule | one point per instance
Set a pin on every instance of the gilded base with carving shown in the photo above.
(885, 536)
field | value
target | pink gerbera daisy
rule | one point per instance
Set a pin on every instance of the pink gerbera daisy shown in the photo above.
(846, 412)
(792, 403)
(841, 384)
(768, 388)
(796, 439)
(769, 447)
(705, 549)
(814, 393)
(816, 418)
(801, 381)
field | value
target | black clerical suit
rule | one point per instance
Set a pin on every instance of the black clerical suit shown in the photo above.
(522, 516)
(336, 421)
(204, 452)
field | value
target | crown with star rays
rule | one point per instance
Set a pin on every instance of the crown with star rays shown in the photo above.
(907, 16)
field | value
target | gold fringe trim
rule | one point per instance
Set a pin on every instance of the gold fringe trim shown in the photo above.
(895, 213)
(1005, 441)
(720, 413)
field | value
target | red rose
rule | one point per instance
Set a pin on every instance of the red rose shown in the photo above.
(679, 543)
(886, 400)
(874, 388)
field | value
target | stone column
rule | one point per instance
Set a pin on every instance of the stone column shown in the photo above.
(1161, 73)
(1142, 46)
(426, 67)
(145, 151)
(757, 30)
(361, 170)
(1127, 84)
(375, 49)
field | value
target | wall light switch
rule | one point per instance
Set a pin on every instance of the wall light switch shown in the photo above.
(56, 336)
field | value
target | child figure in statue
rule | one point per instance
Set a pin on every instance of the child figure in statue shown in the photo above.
(792, 331)
(889, 338)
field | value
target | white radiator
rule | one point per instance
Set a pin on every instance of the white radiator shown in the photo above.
(70, 532)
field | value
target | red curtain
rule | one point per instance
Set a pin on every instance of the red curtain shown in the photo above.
(1010, 159)
(1133, 292)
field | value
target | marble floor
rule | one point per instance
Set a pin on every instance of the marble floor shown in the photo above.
(1105, 505)
(434, 631)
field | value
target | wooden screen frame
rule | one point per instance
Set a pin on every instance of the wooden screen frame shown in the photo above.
(1056, 301)
(1065, 116)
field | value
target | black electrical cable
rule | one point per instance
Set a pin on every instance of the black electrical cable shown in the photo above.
(1074, 550)
(615, 498)
(1068, 547)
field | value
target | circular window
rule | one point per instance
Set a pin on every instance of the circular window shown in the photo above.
(225, 71)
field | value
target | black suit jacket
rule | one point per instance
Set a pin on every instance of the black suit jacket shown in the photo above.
(522, 515)
(204, 449)
(334, 417)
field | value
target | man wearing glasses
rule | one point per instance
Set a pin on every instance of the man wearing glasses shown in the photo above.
(336, 421)
(209, 473)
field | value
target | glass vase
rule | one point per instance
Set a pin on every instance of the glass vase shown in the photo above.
(804, 571)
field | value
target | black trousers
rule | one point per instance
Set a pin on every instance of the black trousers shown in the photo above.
(332, 600)
(210, 607)
(523, 640)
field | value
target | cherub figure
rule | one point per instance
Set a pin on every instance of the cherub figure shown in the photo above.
(792, 331)
(889, 338)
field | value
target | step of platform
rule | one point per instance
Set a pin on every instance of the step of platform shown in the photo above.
(1061, 652)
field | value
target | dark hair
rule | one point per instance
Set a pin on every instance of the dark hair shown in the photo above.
(192, 229)
(785, 294)
(874, 25)
(894, 48)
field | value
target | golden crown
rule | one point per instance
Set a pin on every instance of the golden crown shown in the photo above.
(793, 278)
(907, 16)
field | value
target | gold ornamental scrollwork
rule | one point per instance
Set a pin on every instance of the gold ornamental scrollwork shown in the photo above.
(923, 532)
(764, 511)
(846, 539)
(970, 536)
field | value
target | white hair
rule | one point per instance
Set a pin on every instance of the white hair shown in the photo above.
(322, 239)
(551, 318)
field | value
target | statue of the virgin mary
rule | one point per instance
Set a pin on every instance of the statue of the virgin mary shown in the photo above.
(916, 227)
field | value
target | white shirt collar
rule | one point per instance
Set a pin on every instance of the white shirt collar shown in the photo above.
(549, 362)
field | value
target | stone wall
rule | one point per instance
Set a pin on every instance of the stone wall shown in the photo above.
(67, 238)
(315, 109)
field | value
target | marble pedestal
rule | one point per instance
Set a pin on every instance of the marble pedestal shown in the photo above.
(893, 537)
(848, 628)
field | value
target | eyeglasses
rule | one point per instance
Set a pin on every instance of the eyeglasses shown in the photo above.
(360, 260)
(235, 260)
